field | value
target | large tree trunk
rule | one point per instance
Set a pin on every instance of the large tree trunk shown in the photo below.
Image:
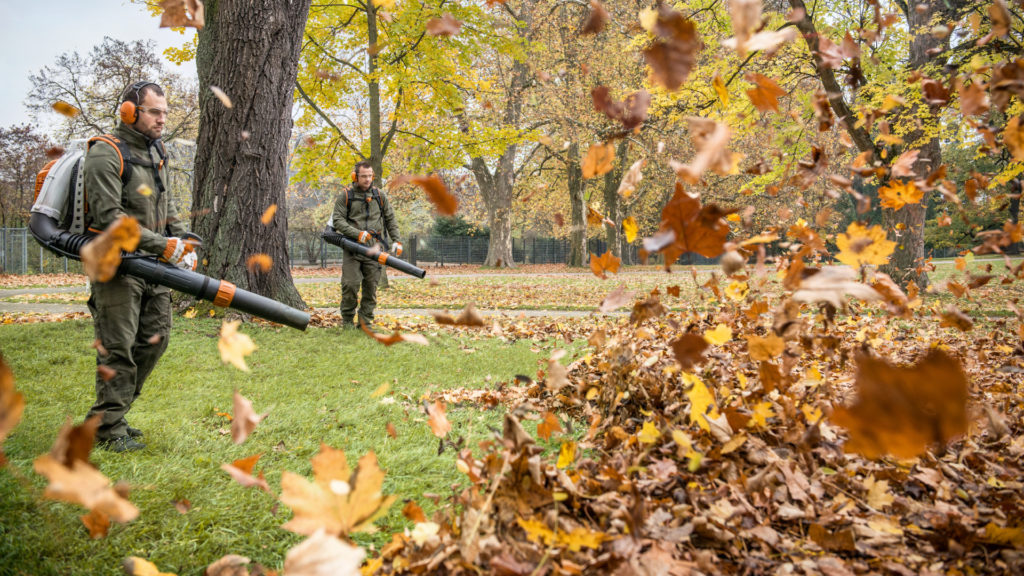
(496, 189)
(249, 50)
(578, 220)
(611, 197)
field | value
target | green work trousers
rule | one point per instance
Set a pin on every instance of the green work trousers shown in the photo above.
(356, 272)
(132, 320)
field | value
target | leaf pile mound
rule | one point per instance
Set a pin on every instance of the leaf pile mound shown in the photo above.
(737, 464)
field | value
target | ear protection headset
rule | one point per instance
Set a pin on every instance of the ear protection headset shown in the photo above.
(129, 111)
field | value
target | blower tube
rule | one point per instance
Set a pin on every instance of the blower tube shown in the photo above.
(220, 292)
(332, 237)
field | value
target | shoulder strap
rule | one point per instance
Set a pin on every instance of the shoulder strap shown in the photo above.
(123, 153)
(345, 192)
(376, 196)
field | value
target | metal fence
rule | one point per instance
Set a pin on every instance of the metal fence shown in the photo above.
(21, 254)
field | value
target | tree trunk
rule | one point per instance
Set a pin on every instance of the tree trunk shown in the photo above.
(376, 153)
(250, 51)
(496, 190)
(578, 221)
(611, 197)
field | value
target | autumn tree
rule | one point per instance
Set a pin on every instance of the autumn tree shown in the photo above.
(22, 155)
(249, 55)
(95, 83)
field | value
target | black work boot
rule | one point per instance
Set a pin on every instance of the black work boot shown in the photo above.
(135, 433)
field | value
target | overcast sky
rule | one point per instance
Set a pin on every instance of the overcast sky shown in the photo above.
(34, 33)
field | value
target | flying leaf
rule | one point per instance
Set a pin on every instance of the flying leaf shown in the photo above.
(323, 555)
(746, 18)
(723, 93)
(241, 471)
(446, 25)
(631, 112)
(259, 263)
(97, 522)
(12, 404)
(468, 317)
(702, 402)
(102, 255)
(182, 14)
(902, 411)
(395, 337)
(709, 139)
(720, 335)
(765, 95)
(674, 51)
(339, 500)
(764, 348)
(548, 425)
(648, 434)
(233, 345)
(437, 419)
(566, 455)
(615, 299)
(897, 194)
(437, 193)
(689, 350)
(861, 245)
(599, 160)
(1013, 138)
(607, 262)
(74, 443)
(767, 40)
(973, 99)
(244, 418)
(903, 165)
(831, 284)
(268, 215)
(696, 228)
(222, 96)
(83, 484)
(228, 565)
(596, 19)
(630, 229)
(63, 108)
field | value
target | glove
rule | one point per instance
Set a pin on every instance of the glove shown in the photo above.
(189, 261)
(365, 237)
(176, 249)
(396, 247)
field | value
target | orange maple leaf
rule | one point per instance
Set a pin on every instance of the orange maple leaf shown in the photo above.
(898, 194)
(861, 245)
(102, 255)
(606, 262)
(696, 228)
(12, 404)
(765, 94)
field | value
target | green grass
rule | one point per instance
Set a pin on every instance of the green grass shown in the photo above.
(317, 387)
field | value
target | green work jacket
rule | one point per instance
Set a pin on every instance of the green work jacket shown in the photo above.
(107, 199)
(356, 211)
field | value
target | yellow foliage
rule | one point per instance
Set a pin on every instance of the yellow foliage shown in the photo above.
(861, 245)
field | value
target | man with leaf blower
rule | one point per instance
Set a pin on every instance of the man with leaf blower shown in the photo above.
(124, 174)
(362, 213)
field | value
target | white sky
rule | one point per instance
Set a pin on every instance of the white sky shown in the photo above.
(34, 33)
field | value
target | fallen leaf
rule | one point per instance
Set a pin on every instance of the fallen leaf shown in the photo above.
(97, 522)
(241, 471)
(689, 350)
(548, 425)
(395, 337)
(268, 215)
(674, 51)
(615, 299)
(136, 566)
(323, 555)
(832, 284)
(83, 484)
(606, 262)
(228, 565)
(468, 317)
(12, 404)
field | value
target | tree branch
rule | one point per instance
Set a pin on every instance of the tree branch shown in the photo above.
(330, 122)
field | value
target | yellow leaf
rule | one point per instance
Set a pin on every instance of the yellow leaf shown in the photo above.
(581, 537)
(649, 434)
(861, 245)
(723, 92)
(701, 401)
(1004, 535)
(136, 566)
(387, 5)
(1013, 138)
(736, 290)
(898, 194)
(760, 414)
(630, 228)
(720, 335)
(878, 496)
(648, 17)
(566, 454)
(766, 348)
(892, 101)
(268, 215)
(234, 346)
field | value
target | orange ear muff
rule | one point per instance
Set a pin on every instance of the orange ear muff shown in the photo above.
(353, 175)
(129, 113)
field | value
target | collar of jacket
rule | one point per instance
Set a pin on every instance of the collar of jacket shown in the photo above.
(132, 136)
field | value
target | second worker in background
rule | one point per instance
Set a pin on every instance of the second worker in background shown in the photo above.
(362, 213)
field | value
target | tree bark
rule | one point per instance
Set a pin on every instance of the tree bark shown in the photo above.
(611, 197)
(250, 51)
(578, 220)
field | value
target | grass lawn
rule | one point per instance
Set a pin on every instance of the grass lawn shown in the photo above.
(318, 387)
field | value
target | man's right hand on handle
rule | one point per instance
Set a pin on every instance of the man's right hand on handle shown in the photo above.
(176, 250)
